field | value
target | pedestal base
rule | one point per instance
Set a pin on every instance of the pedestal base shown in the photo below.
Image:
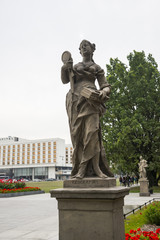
(91, 213)
(144, 187)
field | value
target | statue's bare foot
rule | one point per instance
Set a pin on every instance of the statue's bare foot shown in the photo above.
(79, 176)
(81, 171)
(73, 176)
(98, 171)
(101, 175)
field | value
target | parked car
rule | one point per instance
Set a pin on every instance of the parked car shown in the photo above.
(50, 179)
(24, 180)
(37, 180)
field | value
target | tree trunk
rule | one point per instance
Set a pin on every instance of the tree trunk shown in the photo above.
(153, 181)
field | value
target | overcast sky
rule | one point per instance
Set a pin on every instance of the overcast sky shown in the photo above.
(34, 34)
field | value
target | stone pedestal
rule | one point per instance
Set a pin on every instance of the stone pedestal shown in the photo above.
(91, 209)
(144, 187)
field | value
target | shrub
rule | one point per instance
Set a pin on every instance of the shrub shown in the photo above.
(20, 184)
(152, 213)
(9, 184)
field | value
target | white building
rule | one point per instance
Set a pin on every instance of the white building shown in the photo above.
(41, 158)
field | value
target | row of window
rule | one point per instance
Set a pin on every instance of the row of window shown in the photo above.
(33, 145)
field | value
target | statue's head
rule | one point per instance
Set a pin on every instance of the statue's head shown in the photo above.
(86, 47)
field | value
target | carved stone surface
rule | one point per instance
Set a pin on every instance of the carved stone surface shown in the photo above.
(91, 213)
(144, 187)
(85, 105)
(90, 183)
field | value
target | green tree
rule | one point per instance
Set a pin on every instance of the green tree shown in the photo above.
(131, 125)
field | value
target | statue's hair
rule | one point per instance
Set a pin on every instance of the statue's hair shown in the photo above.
(93, 46)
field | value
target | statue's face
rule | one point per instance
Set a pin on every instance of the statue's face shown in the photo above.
(85, 49)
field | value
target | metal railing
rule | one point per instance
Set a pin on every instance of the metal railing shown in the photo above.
(139, 207)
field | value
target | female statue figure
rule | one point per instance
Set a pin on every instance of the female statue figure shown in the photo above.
(142, 167)
(85, 105)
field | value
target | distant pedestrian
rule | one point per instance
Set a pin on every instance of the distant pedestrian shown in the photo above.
(124, 181)
(120, 180)
(132, 180)
(128, 180)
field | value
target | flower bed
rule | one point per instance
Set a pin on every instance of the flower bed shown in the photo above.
(25, 189)
(139, 234)
(10, 186)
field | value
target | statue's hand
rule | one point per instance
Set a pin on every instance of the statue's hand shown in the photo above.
(68, 65)
(104, 94)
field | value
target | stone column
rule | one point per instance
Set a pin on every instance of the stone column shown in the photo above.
(91, 208)
(144, 187)
(32, 173)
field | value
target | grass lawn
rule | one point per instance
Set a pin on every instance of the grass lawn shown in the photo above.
(135, 221)
(156, 189)
(46, 186)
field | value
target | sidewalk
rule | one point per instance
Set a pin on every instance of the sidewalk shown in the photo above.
(36, 217)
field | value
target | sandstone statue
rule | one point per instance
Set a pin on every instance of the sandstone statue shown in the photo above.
(85, 105)
(142, 167)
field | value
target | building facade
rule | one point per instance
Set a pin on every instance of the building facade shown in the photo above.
(31, 159)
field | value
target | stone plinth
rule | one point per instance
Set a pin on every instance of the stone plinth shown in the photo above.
(90, 183)
(89, 212)
(144, 187)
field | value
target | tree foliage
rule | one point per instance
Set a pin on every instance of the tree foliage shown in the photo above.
(131, 125)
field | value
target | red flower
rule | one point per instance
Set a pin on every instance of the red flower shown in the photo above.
(158, 230)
